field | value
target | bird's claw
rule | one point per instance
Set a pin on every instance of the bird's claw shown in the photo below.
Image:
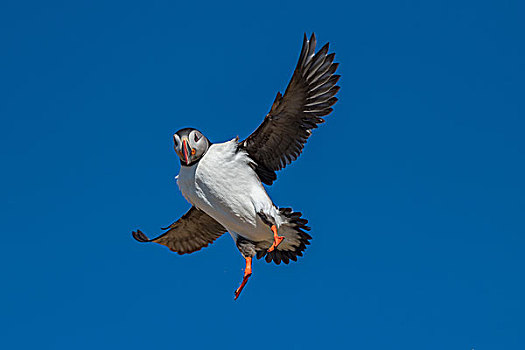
(276, 242)
(241, 287)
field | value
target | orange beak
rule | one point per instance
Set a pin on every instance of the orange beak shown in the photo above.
(185, 151)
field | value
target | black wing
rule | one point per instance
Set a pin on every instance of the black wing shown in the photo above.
(280, 139)
(193, 231)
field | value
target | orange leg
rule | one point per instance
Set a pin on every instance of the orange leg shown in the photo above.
(276, 238)
(247, 274)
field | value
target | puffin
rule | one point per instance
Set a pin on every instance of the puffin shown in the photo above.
(224, 182)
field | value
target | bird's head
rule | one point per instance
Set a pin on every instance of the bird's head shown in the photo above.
(190, 145)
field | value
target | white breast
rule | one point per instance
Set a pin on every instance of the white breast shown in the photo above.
(224, 185)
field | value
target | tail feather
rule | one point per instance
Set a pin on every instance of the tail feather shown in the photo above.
(296, 239)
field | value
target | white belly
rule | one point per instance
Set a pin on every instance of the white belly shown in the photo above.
(224, 186)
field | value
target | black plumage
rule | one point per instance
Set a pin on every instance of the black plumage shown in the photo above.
(299, 225)
(192, 232)
(281, 137)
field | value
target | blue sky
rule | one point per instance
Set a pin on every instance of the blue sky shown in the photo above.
(414, 186)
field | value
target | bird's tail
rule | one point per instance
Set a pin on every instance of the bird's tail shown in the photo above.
(293, 229)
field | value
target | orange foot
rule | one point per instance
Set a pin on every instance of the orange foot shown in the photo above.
(276, 239)
(247, 274)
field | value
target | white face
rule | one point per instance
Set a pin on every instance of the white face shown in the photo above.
(190, 146)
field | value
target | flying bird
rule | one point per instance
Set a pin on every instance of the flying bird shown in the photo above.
(224, 181)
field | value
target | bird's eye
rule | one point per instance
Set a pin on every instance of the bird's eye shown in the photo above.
(197, 137)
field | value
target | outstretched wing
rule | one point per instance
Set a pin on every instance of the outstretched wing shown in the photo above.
(193, 231)
(281, 137)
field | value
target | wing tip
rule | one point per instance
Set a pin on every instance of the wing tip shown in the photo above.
(313, 38)
(140, 236)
